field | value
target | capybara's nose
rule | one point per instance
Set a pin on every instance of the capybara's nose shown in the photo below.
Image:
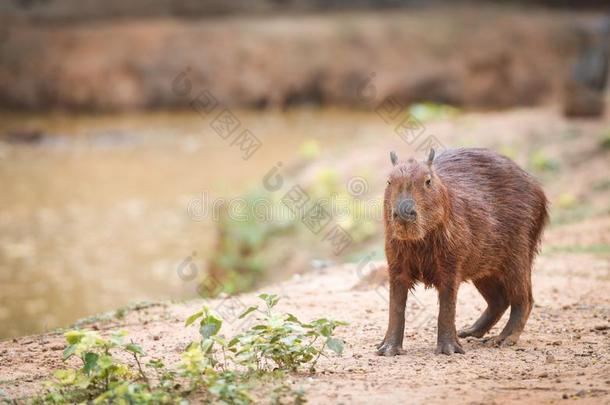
(405, 210)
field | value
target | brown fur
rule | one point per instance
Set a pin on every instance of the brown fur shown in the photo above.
(480, 219)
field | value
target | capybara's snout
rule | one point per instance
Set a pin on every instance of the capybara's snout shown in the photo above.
(404, 210)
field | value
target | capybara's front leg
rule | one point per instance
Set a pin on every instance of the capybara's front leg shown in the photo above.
(392, 342)
(447, 342)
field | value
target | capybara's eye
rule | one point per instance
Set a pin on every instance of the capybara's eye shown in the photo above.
(428, 182)
(389, 182)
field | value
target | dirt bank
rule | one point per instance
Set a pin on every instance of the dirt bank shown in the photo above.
(479, 56)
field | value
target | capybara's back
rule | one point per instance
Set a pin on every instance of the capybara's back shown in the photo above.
(499, 209)
(469, 214)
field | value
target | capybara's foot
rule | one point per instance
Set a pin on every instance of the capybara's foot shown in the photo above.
(500, 341)
(472, 331)
(389, 349)
(449, 347)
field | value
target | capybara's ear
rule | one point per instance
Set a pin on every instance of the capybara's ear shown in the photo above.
(393, 158)
(430, 157)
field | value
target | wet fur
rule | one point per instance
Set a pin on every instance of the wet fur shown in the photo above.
(482, 223)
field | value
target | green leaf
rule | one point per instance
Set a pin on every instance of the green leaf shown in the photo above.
(233, 341)
(90, 362)
(65, 377)
(116, 339)
(134, 348)
(69, 351)
(335, 345)
(155, 363)
(74, 336)
(270, 299)
(55, 398)
(220, 340)
(210, 326)
(326, 330)
(248, 311)
(292, 318)
(105, 362)
(193, 318)
(206, 345)
(190, 346)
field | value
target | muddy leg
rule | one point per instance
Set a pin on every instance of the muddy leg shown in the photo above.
(494, 293)
(520, 307)
(392, 342)
(447, 342)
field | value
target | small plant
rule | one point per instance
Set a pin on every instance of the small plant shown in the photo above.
(277, 341)
(283, 341)
(103, 378)
(212, 369)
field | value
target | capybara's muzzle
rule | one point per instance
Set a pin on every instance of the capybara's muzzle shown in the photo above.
(404, 210)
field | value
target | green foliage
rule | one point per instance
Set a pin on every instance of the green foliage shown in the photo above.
(120, 313)
(357, 216)
(601, 185)
(310, 149)
(242, 234)
(541, 162)
(598, 249)
(199, 367)
(212, 369)
(432, 111)
(573, 213)
(326, 184)
(508, 151)
(604, 140)
(282, 341)
(103, 378)
(566, 201)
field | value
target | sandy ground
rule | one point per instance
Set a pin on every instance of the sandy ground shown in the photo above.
(563, 353)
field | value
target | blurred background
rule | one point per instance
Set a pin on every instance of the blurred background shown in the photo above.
(137, 136)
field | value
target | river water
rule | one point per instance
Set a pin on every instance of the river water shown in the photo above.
(93, 215)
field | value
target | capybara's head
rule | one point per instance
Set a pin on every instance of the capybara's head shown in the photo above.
(416, 199)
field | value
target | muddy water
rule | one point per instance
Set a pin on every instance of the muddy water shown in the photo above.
(93, 216)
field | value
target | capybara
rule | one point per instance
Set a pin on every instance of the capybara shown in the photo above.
(468, 215)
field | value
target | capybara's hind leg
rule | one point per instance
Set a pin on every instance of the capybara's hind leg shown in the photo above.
(494, 293)
(521, 303)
